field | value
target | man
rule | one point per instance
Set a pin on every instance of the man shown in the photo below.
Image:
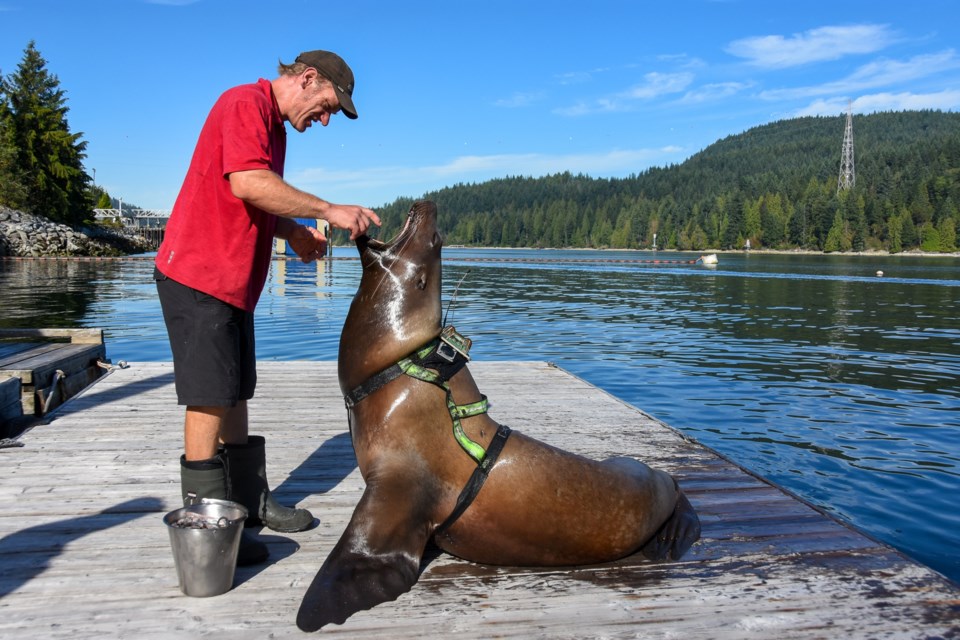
(213, 263)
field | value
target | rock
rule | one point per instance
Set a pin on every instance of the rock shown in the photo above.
(25, 234)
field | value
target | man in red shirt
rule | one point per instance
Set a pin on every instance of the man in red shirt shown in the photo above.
(213, 263)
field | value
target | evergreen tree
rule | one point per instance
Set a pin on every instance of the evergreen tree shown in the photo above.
(909, 234)
(948, 235)
(929, 238)
(49, 157)
(858, 221)
(12, 192)
(838, 238)
(895, 234)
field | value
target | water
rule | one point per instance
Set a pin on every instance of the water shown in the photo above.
(812, 371)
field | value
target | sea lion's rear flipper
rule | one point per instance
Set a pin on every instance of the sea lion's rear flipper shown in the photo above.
(376, 560)
(677, 534)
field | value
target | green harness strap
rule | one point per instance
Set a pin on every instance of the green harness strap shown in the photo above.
(457, 411)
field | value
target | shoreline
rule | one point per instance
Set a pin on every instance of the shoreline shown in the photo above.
(798, 252)
(784, 252)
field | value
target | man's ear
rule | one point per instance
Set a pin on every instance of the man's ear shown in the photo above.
(308, 77)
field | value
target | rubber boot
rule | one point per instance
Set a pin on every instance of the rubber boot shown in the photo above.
(208, 479)
(247, 467)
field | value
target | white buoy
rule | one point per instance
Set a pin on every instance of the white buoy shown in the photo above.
(879, 274)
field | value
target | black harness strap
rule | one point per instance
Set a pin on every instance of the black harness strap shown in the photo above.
(375, 382)
(432, 356)
(479, 476)
(436, 363)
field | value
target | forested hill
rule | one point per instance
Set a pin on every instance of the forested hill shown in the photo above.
(775, 185)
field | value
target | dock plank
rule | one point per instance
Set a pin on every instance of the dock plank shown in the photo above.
(83, 552)
(52, 365)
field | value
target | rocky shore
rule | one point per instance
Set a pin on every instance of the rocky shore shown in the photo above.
(27, 235)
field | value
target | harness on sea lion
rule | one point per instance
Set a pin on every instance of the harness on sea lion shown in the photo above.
(436, 363)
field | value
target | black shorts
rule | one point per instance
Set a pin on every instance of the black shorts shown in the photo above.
(214, 353)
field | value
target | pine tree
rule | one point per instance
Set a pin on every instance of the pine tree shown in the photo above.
(838, 238)
(12, 191)
(49, 157)
(895, 234)
(929, 238)
(948, 235)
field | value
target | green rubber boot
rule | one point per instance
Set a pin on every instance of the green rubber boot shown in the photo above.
(247, 468)
(208, 479)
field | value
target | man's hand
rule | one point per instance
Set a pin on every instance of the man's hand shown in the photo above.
(308, 243)
(351, 217)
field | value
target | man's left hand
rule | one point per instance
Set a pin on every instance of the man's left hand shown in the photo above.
(308, 243)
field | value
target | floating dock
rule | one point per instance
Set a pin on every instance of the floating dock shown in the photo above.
(42, 368)
(84, 553)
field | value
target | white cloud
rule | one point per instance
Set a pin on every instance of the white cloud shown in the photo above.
(712, 92)
(815, 45)
(657, 84)
(654, 85)
(875, 74)
(579, 77)
(948, 100)
(416, 180)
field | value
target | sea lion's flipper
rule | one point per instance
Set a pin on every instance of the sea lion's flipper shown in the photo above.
(376, 560)
(677, 534)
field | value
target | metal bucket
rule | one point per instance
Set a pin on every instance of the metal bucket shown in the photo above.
(205, 538)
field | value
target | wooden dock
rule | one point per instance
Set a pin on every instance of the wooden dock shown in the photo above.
(40, 369)
(84, 554)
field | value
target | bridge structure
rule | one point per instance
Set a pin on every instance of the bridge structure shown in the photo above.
(149, 224)
(133, 218)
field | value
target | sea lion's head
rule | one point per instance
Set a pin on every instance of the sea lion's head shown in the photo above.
(396, 309)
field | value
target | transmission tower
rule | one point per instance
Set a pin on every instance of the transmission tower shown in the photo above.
(848, 175)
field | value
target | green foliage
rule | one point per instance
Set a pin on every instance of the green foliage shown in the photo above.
(775, 185)
(895, 234)
(104, 200)
(12, 191)
(930, 237)
(47, 156)
(838, 238)
(948, 235)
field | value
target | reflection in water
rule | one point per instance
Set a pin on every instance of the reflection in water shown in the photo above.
(51, 293)
(809, 370)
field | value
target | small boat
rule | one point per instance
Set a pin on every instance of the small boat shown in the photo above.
(709, 258)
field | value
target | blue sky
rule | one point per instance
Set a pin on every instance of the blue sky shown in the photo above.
(455, 92)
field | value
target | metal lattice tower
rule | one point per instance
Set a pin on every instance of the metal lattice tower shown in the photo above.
(848, 174)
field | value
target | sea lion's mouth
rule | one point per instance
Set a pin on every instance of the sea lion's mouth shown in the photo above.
(419, 212)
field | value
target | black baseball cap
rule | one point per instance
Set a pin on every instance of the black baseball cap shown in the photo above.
(332, 67)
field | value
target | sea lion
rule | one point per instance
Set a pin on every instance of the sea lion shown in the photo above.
(436, 466)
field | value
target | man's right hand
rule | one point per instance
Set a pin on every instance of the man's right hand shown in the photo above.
(352, 218)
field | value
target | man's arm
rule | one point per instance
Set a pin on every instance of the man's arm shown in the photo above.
(269, 192)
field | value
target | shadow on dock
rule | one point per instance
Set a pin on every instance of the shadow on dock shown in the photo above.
(29, 552)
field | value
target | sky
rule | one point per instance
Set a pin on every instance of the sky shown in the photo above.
(459, 92)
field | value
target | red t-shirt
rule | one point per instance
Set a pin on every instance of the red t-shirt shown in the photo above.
(214, 242)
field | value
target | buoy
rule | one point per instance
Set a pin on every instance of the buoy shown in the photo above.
(879, 274)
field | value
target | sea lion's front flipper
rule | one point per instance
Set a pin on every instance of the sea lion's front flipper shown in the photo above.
(376, 560)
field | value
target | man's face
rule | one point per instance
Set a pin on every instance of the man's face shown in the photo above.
(315, 103)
